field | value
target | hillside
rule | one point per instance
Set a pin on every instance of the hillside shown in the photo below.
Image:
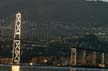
(62, 17)
(79, 17)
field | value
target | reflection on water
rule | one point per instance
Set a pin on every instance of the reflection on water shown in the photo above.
(48, 68)
(86, 69)
(15, 68)
(41, 68)
(72, 69)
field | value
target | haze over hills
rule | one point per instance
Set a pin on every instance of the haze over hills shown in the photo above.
(59, 17)
(80, 16)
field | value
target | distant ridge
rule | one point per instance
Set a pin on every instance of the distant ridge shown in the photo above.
(61, 16)
(81, 16)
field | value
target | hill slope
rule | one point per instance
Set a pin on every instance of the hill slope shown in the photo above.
(61, 16)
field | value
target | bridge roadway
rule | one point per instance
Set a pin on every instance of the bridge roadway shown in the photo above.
(45, 44)
(86, 57)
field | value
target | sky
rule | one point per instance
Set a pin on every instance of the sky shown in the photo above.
(105, 0)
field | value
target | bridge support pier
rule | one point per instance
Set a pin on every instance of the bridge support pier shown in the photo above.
(102, 60)
(93, 58)
(83, 57)
(106, 59)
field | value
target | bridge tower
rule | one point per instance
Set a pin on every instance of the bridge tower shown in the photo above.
(16, 41)
(73, 57)
(16, 44)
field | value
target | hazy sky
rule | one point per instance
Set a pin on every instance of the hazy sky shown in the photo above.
(105, 0)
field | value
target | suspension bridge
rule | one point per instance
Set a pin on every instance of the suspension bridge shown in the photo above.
(76, 56)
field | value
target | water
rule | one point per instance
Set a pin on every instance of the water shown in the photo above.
(49, 68)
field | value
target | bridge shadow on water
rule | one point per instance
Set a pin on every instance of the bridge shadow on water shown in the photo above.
(49, 68)
(43, 68)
